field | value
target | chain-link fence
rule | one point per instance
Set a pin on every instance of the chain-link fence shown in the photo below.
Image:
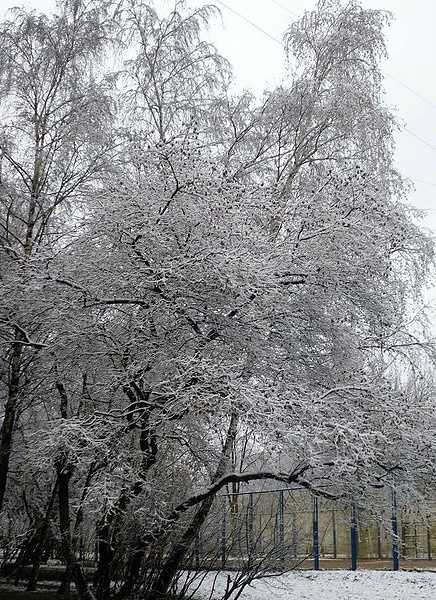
(283, 529)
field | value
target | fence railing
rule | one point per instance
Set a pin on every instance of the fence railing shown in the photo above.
(283, 529)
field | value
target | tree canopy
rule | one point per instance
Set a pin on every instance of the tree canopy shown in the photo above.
(183, 267)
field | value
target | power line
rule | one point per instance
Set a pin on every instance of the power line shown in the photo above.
(420, 138)
(251, 23)
(422, 209)
(411, 90)
(284, 8)
(422, 181)
(388, 75)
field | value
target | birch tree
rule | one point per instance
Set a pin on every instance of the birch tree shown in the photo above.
(54, 139)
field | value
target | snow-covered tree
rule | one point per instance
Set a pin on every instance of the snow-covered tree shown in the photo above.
(241, 266)
(54, 141)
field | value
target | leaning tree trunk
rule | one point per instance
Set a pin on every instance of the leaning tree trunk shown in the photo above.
(10, 412)
(37, 558)
(64, 475)
(179, 551)
(182, 546)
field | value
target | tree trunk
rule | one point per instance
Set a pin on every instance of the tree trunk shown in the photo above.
(82, 586)
(64, 475)
(64, 471)
(74, 569)
(10, 413)
(179, 551)
(37, 558)
(180, 548)
(93, 468)
(105, 555)
(111, 523)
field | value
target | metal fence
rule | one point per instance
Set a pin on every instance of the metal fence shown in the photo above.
(283, 529)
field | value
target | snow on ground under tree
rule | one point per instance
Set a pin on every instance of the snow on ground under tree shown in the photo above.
(333, 585)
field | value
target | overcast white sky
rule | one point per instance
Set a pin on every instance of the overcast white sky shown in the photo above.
(410, 71)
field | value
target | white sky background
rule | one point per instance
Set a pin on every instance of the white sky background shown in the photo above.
(410, 70)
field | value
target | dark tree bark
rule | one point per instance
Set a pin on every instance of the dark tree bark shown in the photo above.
(64, 472)
(182, 546)
(39, 550)
(7, 428)
(74, 569)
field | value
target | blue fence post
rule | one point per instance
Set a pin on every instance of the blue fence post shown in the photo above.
(394, 523)
(282, 528)
(315, 531)
(379, 541)
(353, 537)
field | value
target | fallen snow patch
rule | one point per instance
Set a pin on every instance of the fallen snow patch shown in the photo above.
(330, 585)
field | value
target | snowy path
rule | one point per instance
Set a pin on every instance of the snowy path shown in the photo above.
(336, 585)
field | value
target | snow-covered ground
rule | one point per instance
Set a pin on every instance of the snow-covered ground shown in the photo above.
(332, 585)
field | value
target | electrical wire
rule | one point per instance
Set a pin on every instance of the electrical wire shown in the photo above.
(432, 183)
(284, 8)
(251, 23)
(411, 90)
(388, 75)
(420, 138)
